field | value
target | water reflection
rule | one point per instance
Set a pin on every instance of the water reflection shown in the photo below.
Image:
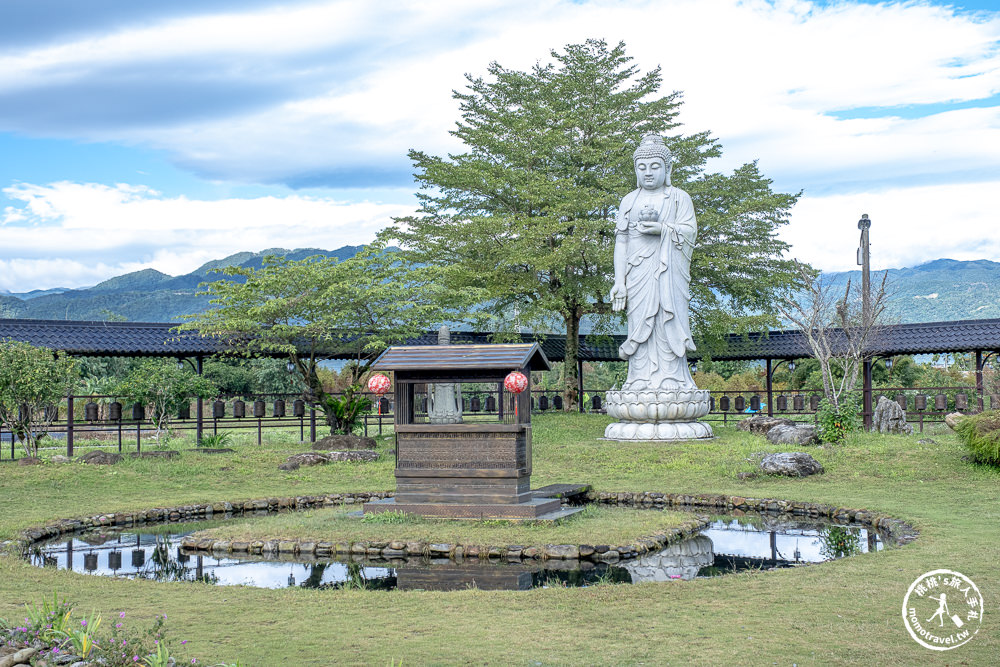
(103, 553)
(728, 544)
(683, 560)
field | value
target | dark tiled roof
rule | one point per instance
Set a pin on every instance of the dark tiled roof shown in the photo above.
(919, 338)
(159, 339)
(140, 339)
(960, 336)
(462, 357)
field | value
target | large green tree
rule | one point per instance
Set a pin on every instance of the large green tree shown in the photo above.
(526, 209)
(319, 307)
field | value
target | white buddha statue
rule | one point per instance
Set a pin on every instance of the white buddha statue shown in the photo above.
(655, 231)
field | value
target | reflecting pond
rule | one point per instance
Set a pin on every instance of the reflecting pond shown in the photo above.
(728, 544)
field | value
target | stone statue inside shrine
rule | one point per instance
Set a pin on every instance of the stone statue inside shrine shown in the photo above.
(444, 399)
(655, 232)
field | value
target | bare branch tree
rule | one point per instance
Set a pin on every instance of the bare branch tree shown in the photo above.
(841, 333)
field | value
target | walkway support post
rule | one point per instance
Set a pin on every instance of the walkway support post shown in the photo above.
(867, 392)
(69, 423)
(199, 415)
(579, 381)
(979, 379)
(770, 390)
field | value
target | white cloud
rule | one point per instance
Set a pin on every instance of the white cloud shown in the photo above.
(375, 79)
(125, 228)
(130, 227)
(909, 226)
(334, 93)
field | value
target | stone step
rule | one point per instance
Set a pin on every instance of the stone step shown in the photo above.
(561, 491)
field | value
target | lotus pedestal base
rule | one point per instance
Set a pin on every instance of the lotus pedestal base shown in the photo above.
(663, 415)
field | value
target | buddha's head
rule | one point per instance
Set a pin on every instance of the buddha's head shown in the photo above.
(652, 160)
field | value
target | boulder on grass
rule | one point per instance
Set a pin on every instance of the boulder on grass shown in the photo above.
(100, 458)
(793, 434)
(952, 419)
(362, 455)
(295, 461)
(890, 418)
(29, 461)
(790, 464)
(761, 424)
(341, 442)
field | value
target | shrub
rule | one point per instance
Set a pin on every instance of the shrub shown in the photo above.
(390, 517)
(31, 380)
(160, 384)
(216, 440)
(981, 436)
(836, 422)
(51, 629)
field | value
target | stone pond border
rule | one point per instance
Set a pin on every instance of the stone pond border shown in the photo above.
(900, 531)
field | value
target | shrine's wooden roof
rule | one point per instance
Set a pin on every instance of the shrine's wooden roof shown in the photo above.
(463, 357)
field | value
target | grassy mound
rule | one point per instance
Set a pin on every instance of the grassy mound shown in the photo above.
(981, 436)
(594, 525)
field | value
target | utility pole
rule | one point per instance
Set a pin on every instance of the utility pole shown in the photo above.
(864, 259)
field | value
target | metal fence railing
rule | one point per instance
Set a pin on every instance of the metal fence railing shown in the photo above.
(922, 404)
(105, 421)
(112, 422)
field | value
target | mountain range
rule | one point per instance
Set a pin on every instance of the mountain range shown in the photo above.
(940, 290)
(142, 296)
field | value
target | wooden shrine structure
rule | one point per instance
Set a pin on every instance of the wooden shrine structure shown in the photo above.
(479, 468)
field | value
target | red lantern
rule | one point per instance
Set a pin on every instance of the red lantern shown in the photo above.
(515, 382)
(378, 384)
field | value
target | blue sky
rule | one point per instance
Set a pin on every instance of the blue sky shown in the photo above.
(142, 133)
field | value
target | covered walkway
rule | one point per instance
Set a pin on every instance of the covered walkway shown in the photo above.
(160, 339)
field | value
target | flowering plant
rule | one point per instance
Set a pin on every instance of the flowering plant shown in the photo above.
(836, 422)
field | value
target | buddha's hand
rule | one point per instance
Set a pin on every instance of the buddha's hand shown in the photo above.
(618, 296)
(649, 227)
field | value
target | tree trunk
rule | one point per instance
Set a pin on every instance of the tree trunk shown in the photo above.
(571, 378)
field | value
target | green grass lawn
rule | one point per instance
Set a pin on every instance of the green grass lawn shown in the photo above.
(594, 525)
(844, 612)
